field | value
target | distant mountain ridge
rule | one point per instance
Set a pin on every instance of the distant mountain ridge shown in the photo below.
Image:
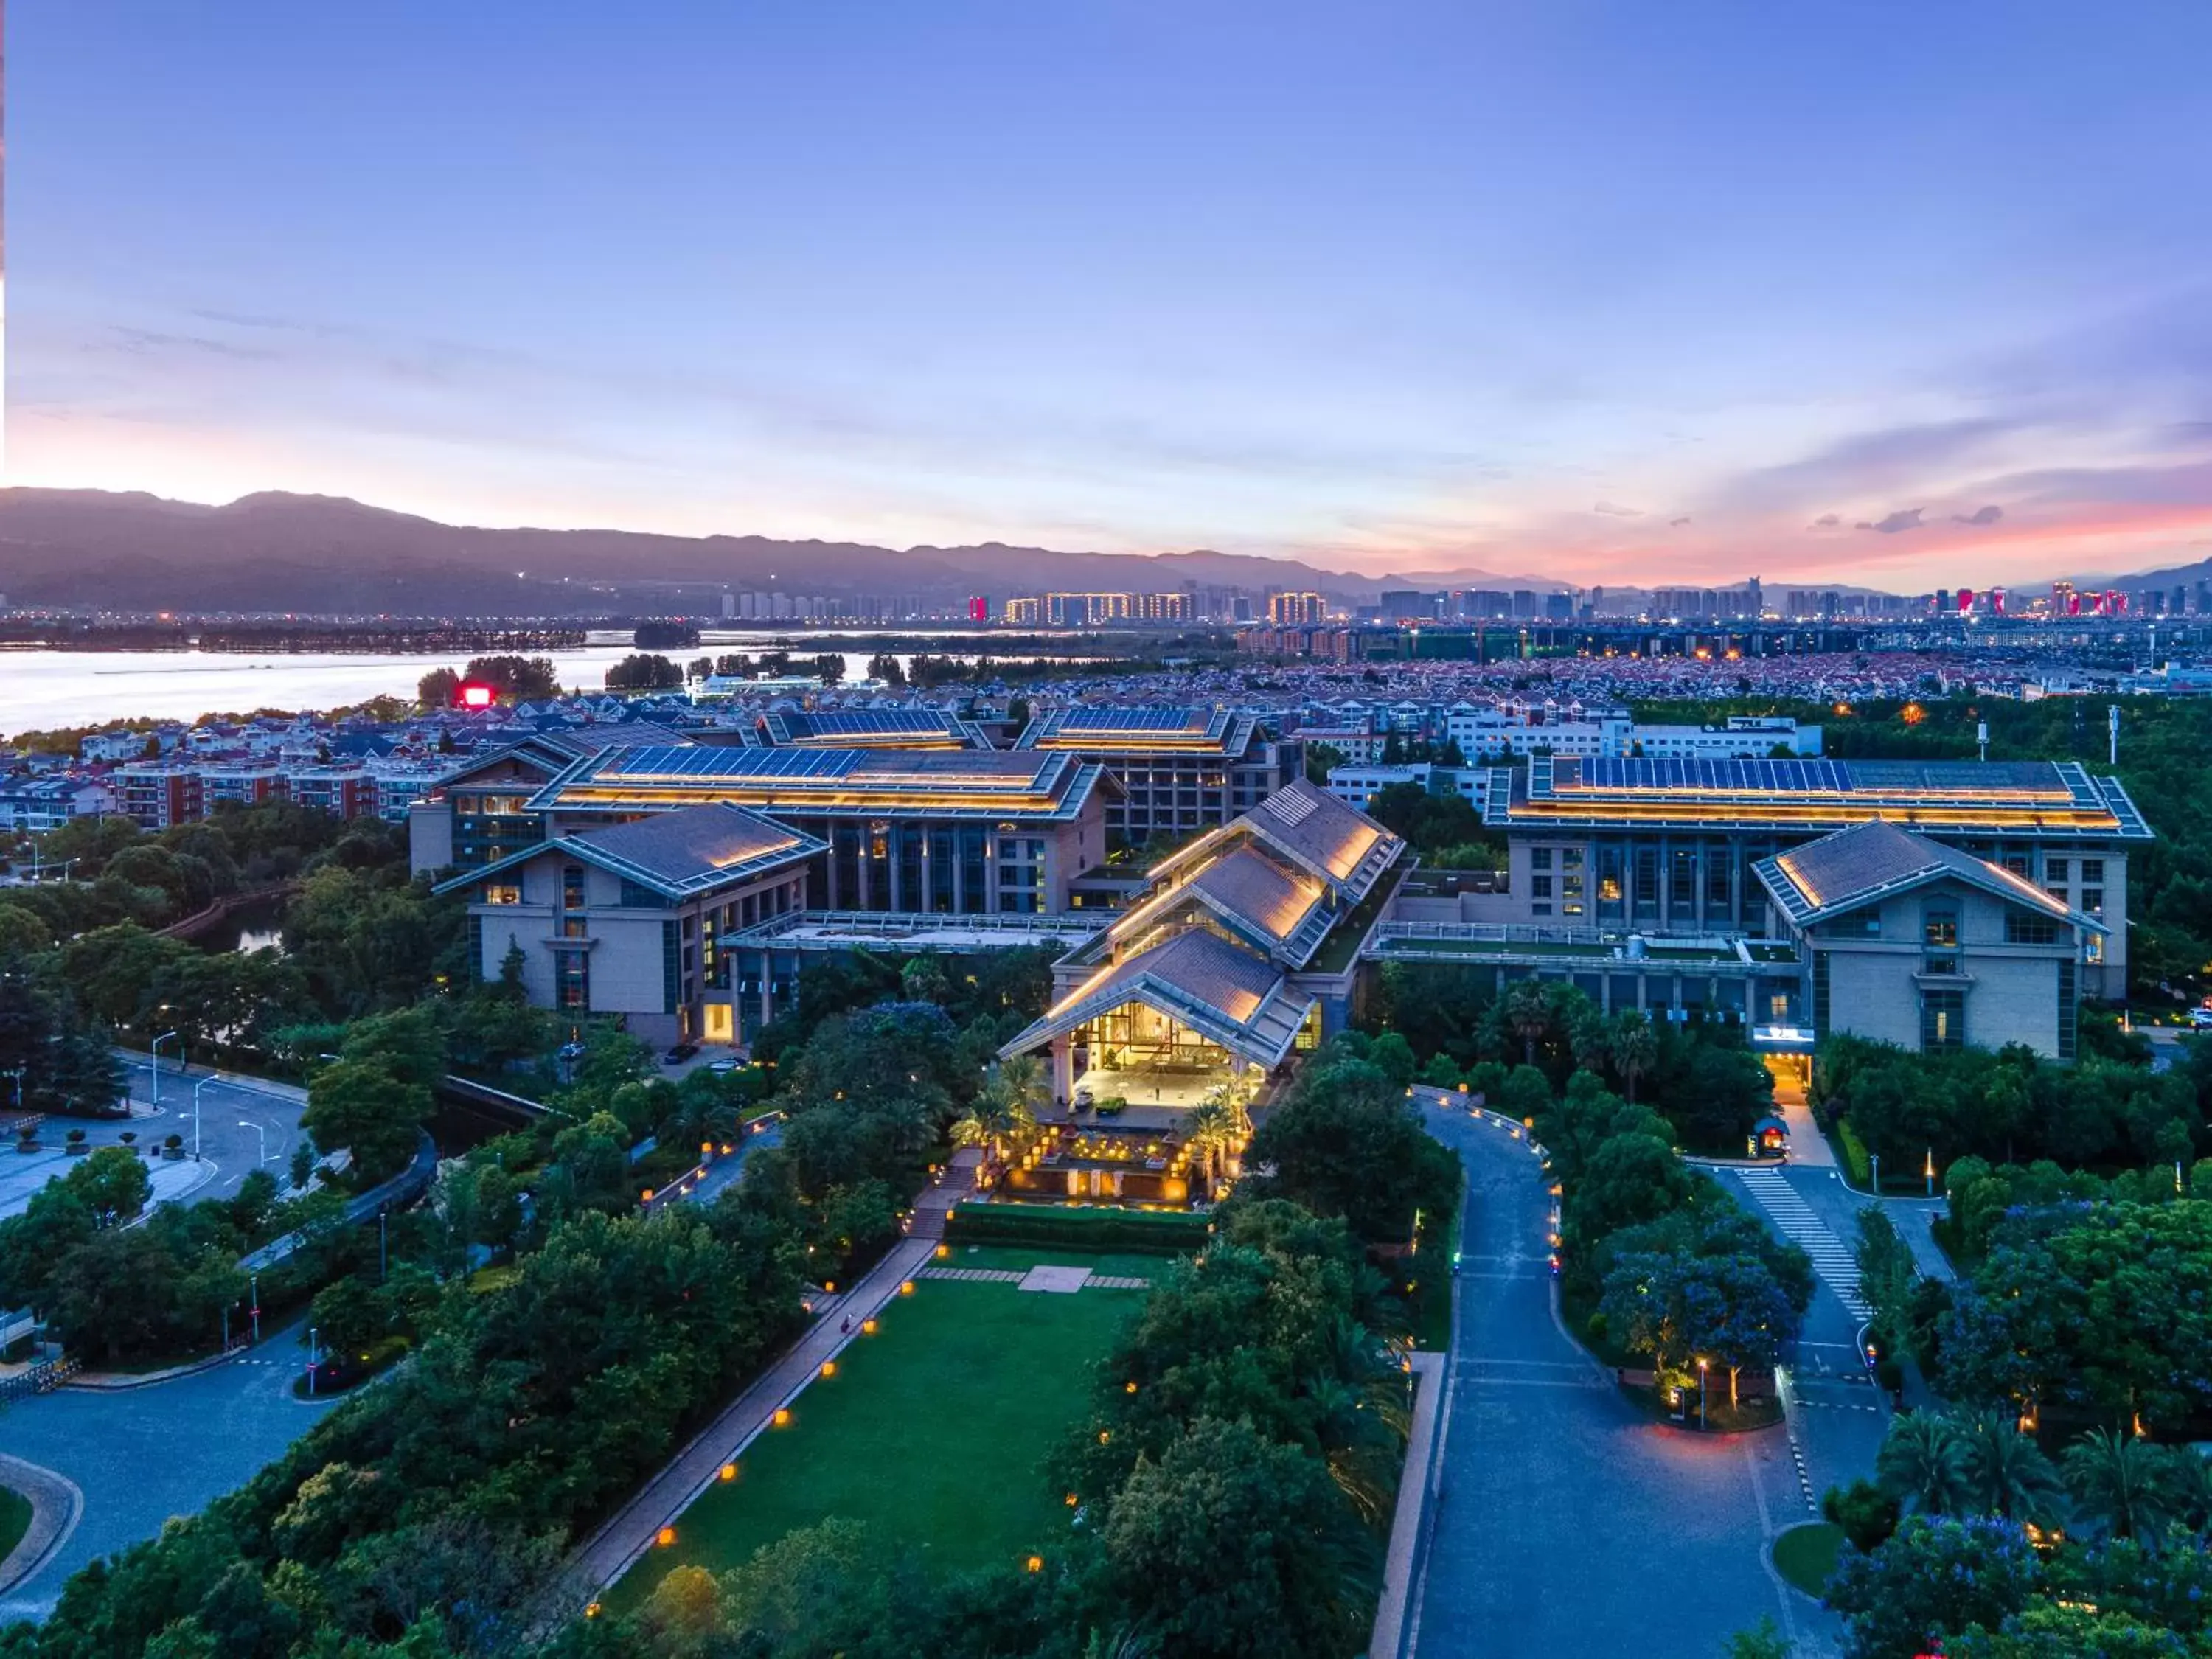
(277, 551)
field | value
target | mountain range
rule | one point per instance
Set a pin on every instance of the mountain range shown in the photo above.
(329, 554)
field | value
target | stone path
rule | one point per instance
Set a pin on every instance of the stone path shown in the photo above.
(974, 1275)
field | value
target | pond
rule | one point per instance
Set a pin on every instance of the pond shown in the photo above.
(256, 926)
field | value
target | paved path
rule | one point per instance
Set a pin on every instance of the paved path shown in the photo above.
(1834, 1261)
(143, 1455)
(1809, 1147)
(1569, 1524)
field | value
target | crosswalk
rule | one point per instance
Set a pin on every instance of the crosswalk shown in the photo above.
(1832, 1261)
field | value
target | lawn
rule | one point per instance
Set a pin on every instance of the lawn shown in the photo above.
(1806, 1556)
(15, 1519)
(931, 1432)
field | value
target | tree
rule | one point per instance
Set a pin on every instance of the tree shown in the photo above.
(1529, 1015)
(1936, 1577)
(1726, 1309)
(2007, 1474)
(1347, 1142)
(642, 672)
(438, 688)
(1761, 1641)
(2123, 1487)
(1923, 1465)
(1866, 1514)
(358, 1104)
(1231, 1545)
(112, 1184)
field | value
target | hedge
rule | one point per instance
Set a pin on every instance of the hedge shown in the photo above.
(1170, 1232)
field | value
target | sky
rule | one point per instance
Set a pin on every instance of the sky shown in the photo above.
(1904, 295)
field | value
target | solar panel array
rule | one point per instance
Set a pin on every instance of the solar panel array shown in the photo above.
(1289, 805)
(1736, 776)
(840, 721)
(1147, 721)
(702, 762)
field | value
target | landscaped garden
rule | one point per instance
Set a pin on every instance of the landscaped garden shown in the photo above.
(932, 1430)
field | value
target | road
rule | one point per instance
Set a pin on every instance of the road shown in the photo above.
(239, 1118)
(144, 1454)
(244, 1122)
(1570, 1523)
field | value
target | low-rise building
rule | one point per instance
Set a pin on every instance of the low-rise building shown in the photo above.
(1906, 941)
(628, 919)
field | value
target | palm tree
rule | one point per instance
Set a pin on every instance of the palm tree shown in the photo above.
(2126, 1487)
(1002, 1108)
(1921, 1464)
(2007, 1473)
(1529, 1012)
(1210, 1131)
(1634, 1046)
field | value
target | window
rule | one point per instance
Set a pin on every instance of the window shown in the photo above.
(502, 892)
(2092, 900)
(1942, 1020)
(2093, 870)
(1540, 857)
(2017, 863)
(1941, 926)
(2054, 869)
(2068, 1014)
(2022, 928)
(571, 928)
(1539, 887)
(2093, 949)
(572, 887)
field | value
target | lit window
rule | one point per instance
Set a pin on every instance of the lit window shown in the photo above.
(502, 892)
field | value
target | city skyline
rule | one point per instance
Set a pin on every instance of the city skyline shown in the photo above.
(1599, 295)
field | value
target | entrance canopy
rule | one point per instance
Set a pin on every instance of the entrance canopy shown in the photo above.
(1198, 981)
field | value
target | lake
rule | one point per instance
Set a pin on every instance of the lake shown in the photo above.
(43, 689)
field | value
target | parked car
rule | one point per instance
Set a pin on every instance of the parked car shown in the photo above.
(679, 1053)
(1083, 1100)
(724, 1067)
(2200, 1017)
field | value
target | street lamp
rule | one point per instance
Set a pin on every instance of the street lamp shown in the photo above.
(263, 1131)
(197, 1087)
(1703, 1365)
(166, 1036)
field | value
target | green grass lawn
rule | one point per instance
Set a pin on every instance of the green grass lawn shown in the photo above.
(15, 1519)
(931, 1432)
(1806, 1555)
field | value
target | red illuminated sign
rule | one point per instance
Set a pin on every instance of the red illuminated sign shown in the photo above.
(474, 695)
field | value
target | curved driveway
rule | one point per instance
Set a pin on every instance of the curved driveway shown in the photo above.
(1569, 1524)
(140, 1455)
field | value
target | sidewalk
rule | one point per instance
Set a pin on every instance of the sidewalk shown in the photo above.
(609, 1552)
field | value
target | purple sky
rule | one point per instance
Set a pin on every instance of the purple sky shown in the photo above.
(1910, 295)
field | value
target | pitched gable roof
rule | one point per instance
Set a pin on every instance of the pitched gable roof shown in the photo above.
(1875, 859)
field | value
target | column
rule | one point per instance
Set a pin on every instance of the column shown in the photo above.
(767, 990)
(1063, 1069)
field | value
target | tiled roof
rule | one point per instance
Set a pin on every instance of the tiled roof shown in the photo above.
(699, 842)
(676, 854)
(1874, 860)
(1260, 892)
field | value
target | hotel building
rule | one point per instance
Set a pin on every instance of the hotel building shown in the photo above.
(1180, 771)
